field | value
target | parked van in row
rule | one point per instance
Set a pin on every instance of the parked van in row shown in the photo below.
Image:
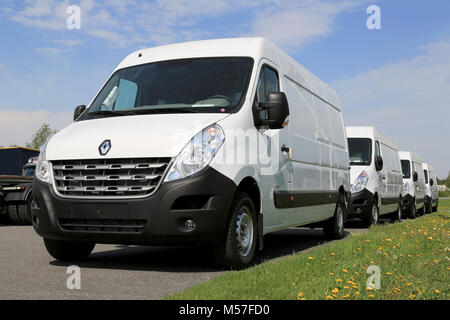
(375, 173)
(431, 190)
(413, 193)
(157, 158)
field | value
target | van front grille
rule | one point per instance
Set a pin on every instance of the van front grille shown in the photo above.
(103, 225)
(109, 177)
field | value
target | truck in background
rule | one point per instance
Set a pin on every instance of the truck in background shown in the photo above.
(17, 166)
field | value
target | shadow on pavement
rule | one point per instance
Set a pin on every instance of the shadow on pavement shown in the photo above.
(198, 259)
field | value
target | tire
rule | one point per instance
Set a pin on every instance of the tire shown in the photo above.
(374, 216)
(397, 215)
(25, 211)
(334, 227)
(67, 250)
(435, 209)
(237, 249)
(13, 213)
(412, 211)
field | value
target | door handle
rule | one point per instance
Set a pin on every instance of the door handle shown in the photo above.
(285, 149)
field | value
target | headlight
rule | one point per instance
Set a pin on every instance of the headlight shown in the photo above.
(406, 188)
(43, 166)
(360, 182)
(197, 154)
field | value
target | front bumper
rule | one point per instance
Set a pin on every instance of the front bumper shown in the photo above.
(160, 218)
(407, 203)
(361, 204)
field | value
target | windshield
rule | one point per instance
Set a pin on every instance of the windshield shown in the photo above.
(187, 85)
(406, 169)
(360, 150)
(28, 171)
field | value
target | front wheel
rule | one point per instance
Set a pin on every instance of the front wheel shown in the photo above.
(397, 215)
(68, 250)
(334, 228)
(374, 215)
(412, 211)
(237, 249)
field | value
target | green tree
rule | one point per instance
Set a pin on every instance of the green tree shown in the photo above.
(40, 136)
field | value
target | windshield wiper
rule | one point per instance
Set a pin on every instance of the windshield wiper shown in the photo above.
(169, 110)
(112, 113)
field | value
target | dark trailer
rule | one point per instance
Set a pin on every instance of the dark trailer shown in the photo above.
(16, 180)
(12, 160)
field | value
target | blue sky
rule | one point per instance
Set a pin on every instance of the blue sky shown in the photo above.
(396, 78)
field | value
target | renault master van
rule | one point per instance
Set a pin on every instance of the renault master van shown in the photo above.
(431, 191)
(413, 192)
(375, 173)
(214, 143)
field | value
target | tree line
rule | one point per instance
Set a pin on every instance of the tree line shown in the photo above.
(39, 137)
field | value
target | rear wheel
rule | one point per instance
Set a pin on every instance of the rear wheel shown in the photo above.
(435, 209)
(397, 215)
(13, 213)
(237, 249)
(68, 250)
(24, 211)
(334, 227)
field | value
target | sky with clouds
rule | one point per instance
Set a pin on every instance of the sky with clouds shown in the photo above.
(396, 78)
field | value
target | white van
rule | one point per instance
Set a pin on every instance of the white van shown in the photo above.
(212, 142)
(375, 173)
(413, 192)
(431, 191)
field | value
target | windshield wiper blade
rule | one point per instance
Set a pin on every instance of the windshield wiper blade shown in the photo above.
(112, 113)
(171, 110)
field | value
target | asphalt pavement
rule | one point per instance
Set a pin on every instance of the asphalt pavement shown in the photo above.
(27, 271)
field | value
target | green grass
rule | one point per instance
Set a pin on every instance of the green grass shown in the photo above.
(412, 256)
(444, 194)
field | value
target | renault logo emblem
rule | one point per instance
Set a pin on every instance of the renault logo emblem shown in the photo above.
(104, 147)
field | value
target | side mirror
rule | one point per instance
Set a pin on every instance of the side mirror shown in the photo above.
(431, 182)
(274, 112)
(78, 111)
(415, 177)
(379, 163)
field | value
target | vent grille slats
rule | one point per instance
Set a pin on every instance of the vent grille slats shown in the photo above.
(103, 225)
(109, 177)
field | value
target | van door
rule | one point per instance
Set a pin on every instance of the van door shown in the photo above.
(382, 176)
(276, 172)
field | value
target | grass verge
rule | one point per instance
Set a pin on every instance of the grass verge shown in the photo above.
(412, 257)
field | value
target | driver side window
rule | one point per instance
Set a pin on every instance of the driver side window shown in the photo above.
(267, 82)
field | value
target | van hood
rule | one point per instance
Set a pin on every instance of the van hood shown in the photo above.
(136, 136)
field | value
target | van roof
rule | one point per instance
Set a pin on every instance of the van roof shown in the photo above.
(407, 155)
(371, 132)
(254, 47)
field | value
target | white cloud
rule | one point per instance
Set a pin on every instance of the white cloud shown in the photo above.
(18, 127)
(408, 99)
(290, 23)
(294, 24)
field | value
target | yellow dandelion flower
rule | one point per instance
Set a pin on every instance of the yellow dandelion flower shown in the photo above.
(437, 291)
(344, 270)
(330, 298)
(335, 290)
(310, 258)
(338, 280)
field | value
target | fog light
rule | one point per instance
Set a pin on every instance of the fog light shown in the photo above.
(190, 225)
